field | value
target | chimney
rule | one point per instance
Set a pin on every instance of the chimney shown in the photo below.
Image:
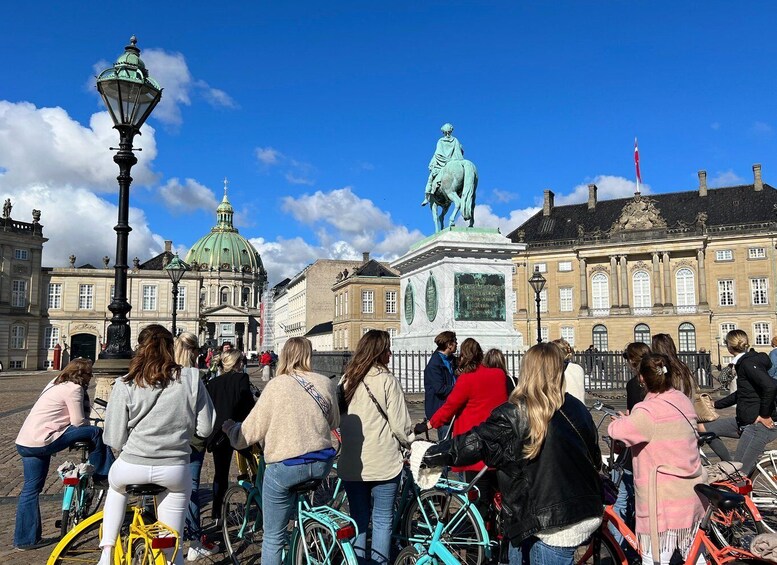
(168, 245)
(591, 196)
(758, 183)
(702, 183)
(547, 205)
(365, 257)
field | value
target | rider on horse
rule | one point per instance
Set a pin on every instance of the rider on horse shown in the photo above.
(448, 149)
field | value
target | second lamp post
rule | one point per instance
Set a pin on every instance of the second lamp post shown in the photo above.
(537, 282)
(175, 270)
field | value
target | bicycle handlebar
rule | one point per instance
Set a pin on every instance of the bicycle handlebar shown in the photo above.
(101, 402)
(599, 406)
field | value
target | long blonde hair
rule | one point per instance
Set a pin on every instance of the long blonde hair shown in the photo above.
(541, 390)
(186, 349)
(296, 355)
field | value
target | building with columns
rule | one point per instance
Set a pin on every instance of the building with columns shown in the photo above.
(692, 264)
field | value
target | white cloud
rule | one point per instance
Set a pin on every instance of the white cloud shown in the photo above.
(503, 195)
(294, 179)
(268, 155)
(485, 217)
(186, 197)
(46, 146)
(726, 178)
(295, 172)
(341, 209)
(609, 187)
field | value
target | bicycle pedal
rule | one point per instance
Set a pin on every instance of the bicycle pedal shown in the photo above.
(58, 524)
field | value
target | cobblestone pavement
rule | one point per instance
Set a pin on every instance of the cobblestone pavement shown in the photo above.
(18, 392)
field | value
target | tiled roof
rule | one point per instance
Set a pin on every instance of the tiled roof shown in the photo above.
(320, 329)
(373, 268)
(157, 263)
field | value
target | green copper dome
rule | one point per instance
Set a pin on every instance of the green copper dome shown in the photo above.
(224, 248)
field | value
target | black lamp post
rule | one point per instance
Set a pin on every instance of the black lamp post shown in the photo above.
(537, 282)
(130, 95)
(717, 341)
(176, 270)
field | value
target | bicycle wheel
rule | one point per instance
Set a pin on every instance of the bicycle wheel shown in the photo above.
(608, 554)
(408, 556)
(764, 493)
(82, 544)
(322, 547)
(331, 492)
(463, 535)
(736, 528)
(242, 524)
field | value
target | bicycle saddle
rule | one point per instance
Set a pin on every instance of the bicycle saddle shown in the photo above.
(307, 486)
(706, 437)
(723, 499)
(81, 445)
(144, 490)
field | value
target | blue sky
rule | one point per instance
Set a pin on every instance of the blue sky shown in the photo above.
(324, 116)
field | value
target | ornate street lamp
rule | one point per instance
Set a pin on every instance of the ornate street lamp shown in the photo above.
(717, 341)
(537, 282)
(130, 96)
(176, 270)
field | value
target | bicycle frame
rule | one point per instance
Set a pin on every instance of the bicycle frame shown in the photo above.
(333, 520)
(436, 550)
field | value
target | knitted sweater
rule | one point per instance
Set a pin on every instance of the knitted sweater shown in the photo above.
(57, 408)
(286, 421)
(666, 464)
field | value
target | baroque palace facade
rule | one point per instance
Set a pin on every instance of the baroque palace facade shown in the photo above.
(693, 264)
(40, 308)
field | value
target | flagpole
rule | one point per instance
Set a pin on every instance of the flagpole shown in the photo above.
(636, 164)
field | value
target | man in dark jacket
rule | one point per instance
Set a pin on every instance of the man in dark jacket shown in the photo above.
(439, 376)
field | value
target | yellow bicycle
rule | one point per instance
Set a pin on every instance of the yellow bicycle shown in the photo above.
(143, 540)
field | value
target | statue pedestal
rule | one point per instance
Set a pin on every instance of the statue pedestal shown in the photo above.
(105, 372)
(460, 279)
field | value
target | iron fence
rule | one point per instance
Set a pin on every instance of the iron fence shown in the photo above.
(604, 370)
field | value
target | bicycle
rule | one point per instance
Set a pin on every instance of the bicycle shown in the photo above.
(764, 481)
(143, 540)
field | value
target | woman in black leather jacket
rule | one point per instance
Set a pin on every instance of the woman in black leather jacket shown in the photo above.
(754, 397)
(543, 444)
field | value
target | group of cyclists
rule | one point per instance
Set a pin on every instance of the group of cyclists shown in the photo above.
(536, 437)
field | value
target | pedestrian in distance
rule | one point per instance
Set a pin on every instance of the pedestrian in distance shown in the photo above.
(153, 414)
(773, 358)
(544, 446)
(292, 421)
(56, 421)
(375, 429)
(439, 376)
(662, 432)
(186, 350)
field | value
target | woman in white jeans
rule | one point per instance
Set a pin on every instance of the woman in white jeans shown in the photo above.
(151, 417)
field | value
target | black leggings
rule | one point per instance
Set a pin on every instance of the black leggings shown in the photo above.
(222, 459)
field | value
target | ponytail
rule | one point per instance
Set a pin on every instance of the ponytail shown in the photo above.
(656, 372)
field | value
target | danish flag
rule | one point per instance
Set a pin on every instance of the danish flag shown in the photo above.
(636, 163)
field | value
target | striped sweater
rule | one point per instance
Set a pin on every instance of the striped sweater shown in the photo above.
(666, 464)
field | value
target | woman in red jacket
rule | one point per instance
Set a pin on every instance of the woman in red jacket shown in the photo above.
(478, 390)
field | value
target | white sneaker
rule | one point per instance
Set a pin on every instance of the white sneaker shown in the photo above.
(198, 550)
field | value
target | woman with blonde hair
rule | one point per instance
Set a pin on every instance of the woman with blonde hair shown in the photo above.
(292, 421)
(56, 421)
(574, 375)
(754, 397)
(544, 446)
(152, 415)
(374, 430)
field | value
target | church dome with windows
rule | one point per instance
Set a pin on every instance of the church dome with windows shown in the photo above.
(224, 249)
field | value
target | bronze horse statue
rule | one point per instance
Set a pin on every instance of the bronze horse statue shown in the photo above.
(458, 182)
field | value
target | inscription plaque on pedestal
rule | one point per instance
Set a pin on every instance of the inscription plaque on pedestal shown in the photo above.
(479, 297)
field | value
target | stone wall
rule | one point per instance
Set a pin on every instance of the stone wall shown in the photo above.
(330, 363)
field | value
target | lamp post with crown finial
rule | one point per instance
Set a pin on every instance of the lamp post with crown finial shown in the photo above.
(130, 95)
(176, 269)
(537, 282)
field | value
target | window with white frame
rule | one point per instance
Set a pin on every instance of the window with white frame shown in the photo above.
(756, 253)
(544, 333)
(368, 302)
(600, 291)
(642, 334)
(19, 294)
(86, 297)
(21, 254)
(17, 364)
(600, 337)
(726, 327)
(687, 335)
(762, 333)
(149, 297)
(392, 332)
(55, 295)
(337, 305)
(686, 287)
(345, 301)
(565, 299)
(113, 292)
(544, 300)
(641, 283)
(17, 336)
(227, 328)
(224, 295)
(540, 267)
(564, 266)
(365, 330)
(181, 300)
(724, 255)
(568, 335)
(391, 302)
(726, 292)
(50, 337)
(345, 343)
(760, 291)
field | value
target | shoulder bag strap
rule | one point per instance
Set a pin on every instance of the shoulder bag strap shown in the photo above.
(323, 403)
(376, 403)
(588, 451)
(695, 431)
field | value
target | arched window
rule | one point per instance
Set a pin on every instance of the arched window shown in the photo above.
(224, 295)
(246, 295)
(641, 283)
(600, 337)
(686, 288)
(642, 333)
(600, 290)
(687, 334)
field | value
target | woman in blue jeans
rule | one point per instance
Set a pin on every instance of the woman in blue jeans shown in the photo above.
(56, 421)
(374, 430)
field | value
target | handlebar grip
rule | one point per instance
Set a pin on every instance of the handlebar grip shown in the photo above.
(101, 402)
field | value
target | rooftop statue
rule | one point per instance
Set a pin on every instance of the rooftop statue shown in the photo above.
(7, 208)
(452, 180)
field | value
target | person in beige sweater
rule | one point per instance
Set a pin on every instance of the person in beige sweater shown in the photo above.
(374, 430)
(292, 421)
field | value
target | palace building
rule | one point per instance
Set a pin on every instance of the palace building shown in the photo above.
(693, 264)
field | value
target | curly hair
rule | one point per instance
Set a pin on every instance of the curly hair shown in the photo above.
(154, 361)
(78, 371)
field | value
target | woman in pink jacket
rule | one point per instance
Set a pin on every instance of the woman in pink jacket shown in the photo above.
(56, 421)
(661, 430)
